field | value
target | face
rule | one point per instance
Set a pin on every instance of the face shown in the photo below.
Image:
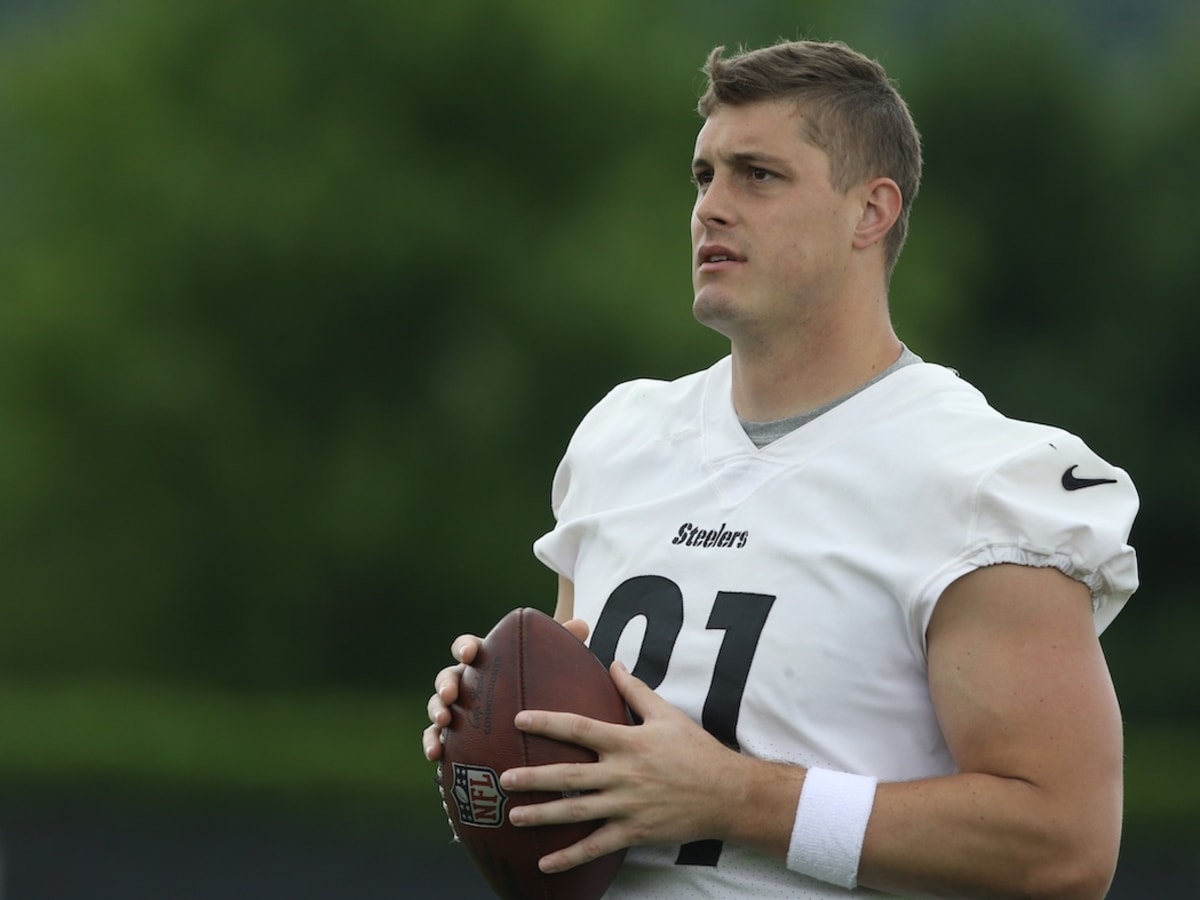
(771, 238)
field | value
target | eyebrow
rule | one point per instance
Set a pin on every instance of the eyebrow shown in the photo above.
(742, 159)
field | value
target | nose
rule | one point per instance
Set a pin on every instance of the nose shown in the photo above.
(714, 204)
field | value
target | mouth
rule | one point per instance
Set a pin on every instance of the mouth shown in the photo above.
(714, 258)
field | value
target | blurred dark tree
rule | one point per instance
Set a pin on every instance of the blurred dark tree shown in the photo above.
(299, 305)
(295, 306)
(1049, 230)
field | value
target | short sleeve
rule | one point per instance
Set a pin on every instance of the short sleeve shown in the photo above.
(1055, 505)
(558, 548)
(570, 496)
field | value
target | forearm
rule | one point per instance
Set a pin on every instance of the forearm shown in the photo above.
(978, 835)
(964, 835)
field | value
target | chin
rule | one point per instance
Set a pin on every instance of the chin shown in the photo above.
(716, 313)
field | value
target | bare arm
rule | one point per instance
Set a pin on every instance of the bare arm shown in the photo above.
(564, 608)
(1027, 706)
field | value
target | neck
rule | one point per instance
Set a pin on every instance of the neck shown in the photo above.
(798, 372)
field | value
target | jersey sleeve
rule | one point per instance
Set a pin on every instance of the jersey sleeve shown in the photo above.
(570, 495)
(1055, 505)
(556, 549)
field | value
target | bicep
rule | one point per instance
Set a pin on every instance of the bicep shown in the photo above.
(1022, 690)
(1027, 707)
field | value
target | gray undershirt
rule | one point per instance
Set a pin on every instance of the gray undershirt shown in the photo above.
(763, 433)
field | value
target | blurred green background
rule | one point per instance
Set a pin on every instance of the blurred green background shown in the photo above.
(300, 302)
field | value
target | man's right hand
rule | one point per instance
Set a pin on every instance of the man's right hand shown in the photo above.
(445, 686)
(445, 692)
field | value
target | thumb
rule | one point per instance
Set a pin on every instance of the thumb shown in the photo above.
(577, 627)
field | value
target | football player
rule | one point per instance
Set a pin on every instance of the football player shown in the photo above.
(854, 608)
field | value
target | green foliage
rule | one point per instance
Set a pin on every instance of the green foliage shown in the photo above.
(295, 317)
(1062, 282)
(309, 756)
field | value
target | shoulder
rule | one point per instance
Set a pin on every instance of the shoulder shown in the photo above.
(627, 438)
(645, 404)
(1028, 493)
(1000, 460)
(950, 422)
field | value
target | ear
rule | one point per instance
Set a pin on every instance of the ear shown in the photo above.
(882, 202)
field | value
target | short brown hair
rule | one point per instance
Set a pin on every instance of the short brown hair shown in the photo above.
(852, 111)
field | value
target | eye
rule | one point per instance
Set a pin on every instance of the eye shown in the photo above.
(760, 175)
(702, 177)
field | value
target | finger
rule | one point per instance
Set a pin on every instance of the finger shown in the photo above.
(431, 743)
(557, 778)
(465, 647)
(437, 711)
(636, 693)
(566, 811)
(577, 627)
(445, 684)
(569, 727)
(608, 838)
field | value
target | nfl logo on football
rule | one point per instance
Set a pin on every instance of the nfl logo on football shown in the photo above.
(478, 796)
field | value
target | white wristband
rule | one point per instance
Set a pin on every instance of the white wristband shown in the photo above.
(831, 822)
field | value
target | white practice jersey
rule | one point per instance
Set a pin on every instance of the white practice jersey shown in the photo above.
(781, 596)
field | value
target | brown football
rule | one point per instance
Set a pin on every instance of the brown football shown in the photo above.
(528, 661)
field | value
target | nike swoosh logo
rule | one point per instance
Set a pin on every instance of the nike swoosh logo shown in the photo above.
(1071, 483)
